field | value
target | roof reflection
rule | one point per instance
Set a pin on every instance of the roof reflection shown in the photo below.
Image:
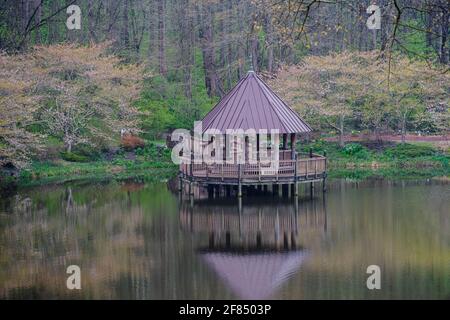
(257, 247)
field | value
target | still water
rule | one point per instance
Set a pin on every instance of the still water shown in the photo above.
(141, 241)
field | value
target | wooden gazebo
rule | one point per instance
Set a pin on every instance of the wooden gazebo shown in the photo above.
(252, 105)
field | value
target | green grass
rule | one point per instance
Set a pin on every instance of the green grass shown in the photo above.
(358, 161)
(62, 171)
(354, 161)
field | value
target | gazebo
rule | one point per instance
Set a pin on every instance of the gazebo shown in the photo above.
(252, 105)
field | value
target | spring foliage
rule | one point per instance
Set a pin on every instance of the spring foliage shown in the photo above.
(77, 94)
(353, 88)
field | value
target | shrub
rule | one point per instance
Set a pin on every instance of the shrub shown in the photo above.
(356, 150)
(406, 150)
(154, 152)
(130, 142)
(73, 157)
(87, 151)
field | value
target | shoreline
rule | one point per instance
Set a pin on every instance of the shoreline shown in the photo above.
(95, 171)
(354, 161)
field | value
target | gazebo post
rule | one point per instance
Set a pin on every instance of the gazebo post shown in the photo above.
(224, 152)
(294, 157)
(239, 181)
(293, 143)
(284, 141)
(324, 180)
(191, 189)
(257, 147)
(295, 175)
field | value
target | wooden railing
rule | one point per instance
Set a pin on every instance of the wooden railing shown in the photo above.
(302, 168)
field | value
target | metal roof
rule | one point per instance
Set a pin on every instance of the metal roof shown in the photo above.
(251, 104)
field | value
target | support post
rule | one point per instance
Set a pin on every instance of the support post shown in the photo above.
(239, 181)
(284, 190)
(296, 215)
(240, 216)
(211, 240)
(324, 180)
(293, 144)
(295, 174)
(275, 189)
(257, 148)
(284, 141)
(210, 192)
(191, 189)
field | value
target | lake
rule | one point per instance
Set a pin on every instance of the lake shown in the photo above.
(137, 240)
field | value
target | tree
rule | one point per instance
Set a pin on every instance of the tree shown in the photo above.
(162, 37)
(68, 122)
(17, 144)
(74, 93)
(330, 88)
(324, 88)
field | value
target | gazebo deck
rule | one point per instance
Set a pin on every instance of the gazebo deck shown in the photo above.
(306, 168)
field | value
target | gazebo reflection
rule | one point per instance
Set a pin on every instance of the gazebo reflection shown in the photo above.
(257, 247)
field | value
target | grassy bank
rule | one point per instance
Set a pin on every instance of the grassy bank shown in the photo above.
(62, 171)
(151, 162)
(355, 161)
(388, 160)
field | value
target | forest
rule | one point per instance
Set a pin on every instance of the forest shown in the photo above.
(151, 66)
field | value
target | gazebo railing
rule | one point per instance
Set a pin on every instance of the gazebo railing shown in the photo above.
(302, 168)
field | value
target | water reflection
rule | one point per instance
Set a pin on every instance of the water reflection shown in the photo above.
(136, 240)
(254, 248)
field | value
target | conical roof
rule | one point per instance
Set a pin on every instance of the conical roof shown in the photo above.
(251, 104)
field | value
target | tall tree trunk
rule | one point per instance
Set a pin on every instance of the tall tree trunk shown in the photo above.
(341, 130)
(70, 34)
(53, 34)
(362, 35)
(91, 21)
(429, 15)
(125, 32)
(403, 127)
(37, 20)
(241, 44)
(185, 40)
(206, 35)
(151, 32)
(228, 30)
(254, 50)
(24, 19)
(444, 52)
(113, 12)
(269, 33)
(386, 8)
(161, 37)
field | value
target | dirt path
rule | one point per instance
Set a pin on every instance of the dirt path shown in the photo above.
(441, 141)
